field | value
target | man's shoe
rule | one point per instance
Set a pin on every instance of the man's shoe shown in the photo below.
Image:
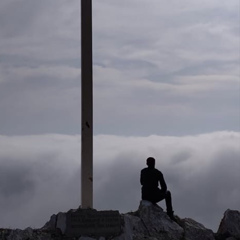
(170, 214)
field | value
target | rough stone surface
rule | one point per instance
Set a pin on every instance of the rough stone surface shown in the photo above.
(90, 222)
(156, 223)
(86, 238)
(230, 225)
(51, 224)
(196, 231)
(61, 222)
(149, 222)
(27, 234)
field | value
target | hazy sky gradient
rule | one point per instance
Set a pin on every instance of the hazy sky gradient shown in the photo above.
(166, 84)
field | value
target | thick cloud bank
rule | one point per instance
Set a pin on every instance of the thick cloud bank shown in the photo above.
(40, 175)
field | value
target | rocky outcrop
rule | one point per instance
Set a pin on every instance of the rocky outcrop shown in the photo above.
(27, 234)
(229, 227)
(149, 222)
(195, 231)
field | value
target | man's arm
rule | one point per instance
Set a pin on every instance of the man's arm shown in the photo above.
(141, 178)
(162, 182)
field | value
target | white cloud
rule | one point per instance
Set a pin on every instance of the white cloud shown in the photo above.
(40, 175)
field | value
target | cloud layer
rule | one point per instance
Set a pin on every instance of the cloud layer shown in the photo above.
(166, 68)
(40, 175)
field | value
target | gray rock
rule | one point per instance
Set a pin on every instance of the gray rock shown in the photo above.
(196, 231)
(150, 222)
(20, 234)
(86, 238)
(90, 238)
(56, 223)
(127, 228)
(3, 233)
(230, 225)
(28, 234)
(231, 238)
(51, 224)
(61, 222)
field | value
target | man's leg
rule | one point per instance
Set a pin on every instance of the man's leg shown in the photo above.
(159, 195)
(168, 199)
(148, 195)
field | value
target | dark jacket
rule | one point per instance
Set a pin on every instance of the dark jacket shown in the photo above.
(150, 179)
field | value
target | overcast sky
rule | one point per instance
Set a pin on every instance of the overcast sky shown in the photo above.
(166, 84)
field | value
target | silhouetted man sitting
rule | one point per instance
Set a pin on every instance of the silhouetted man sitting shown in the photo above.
(150, 178)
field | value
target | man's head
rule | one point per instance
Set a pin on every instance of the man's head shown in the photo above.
(151, 162)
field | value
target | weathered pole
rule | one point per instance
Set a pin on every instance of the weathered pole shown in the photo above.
(87, 106)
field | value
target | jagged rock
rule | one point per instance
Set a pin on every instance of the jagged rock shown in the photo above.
(196, 231)
(4, 233)
(152, 223)
(56, 223)
(61, 222)
(20, 234)
(149, 222)
(87, 238)
(230, 225)
(51, 224)
(231, 238)
(28, 234)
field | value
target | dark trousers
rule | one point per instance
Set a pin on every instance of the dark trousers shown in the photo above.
(157, 195)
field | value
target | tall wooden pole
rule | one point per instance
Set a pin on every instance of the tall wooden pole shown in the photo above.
(87, 105)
